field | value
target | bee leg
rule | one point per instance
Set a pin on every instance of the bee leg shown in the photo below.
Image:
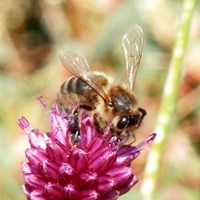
(143, 112)
(134, 138)
(124, 137)
(75, 136)
(74, 122)
(87, 107)
(97, 123)
(73, 126)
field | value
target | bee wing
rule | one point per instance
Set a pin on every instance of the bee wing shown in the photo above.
(78, 66)
(132, 43)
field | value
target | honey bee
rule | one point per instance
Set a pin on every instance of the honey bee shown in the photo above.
(95, 92)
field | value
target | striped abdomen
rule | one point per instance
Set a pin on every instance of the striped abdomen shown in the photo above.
(75, 85)
(74, 92)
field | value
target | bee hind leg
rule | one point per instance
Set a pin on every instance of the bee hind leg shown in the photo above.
(74, 122)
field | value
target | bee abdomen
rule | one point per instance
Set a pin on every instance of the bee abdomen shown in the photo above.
(75, 85)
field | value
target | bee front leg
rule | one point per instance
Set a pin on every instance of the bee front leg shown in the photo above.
(134, 138)
(96, 120)
(123, 137)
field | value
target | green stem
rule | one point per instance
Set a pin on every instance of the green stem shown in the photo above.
(168, 102)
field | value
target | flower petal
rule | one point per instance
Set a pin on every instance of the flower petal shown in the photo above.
(126, 154)
(23, 123)
(35, 156)
(113, 195)
(89, 195)
(78, 160)
(36, 140)
(71, 192)
(88, 133)
(66, 173)
(42, 101)
(49, 169)
(129, 184)
(148, 140)
(105, 184)
(54, 191)
(103, 162)
(96, 145)
(26, 189)
(59, 128)
(55, 152)
(35, 181)
(120, 175)
(38, 195)
(88, 179)
(28, 169)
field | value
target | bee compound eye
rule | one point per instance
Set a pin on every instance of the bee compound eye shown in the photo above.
(123, 122)
(134, 120)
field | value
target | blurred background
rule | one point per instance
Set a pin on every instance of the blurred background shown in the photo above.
(31, 34)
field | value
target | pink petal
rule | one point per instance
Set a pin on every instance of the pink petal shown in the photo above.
(148, 140)
(88, 179)
(54, 191)
(38, 195)
(66, 173)
(23, 123)
(78, 160)
(36, 140)
(42, 101)
(71, 192)
(26, 189)
(35, 157)
(49, 169)
(59, 129)
(113, 195)
(105, 184)
(96, 145)
(28, 169)
(103, 161)
(89, 195)
(120, 175)
(129, 184)
(35, 181)
(126, 155)
(88, 133)
(55, 152)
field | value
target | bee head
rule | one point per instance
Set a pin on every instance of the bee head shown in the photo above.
(133, 120)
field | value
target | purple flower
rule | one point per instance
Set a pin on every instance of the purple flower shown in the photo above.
(94, 168)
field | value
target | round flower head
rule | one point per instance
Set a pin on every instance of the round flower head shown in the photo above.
(93, 168)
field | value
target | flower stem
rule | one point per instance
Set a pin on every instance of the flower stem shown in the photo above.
(167, 108)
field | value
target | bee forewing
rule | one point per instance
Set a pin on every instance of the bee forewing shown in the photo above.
(78, 66)
(132, 43)
(74, 63)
